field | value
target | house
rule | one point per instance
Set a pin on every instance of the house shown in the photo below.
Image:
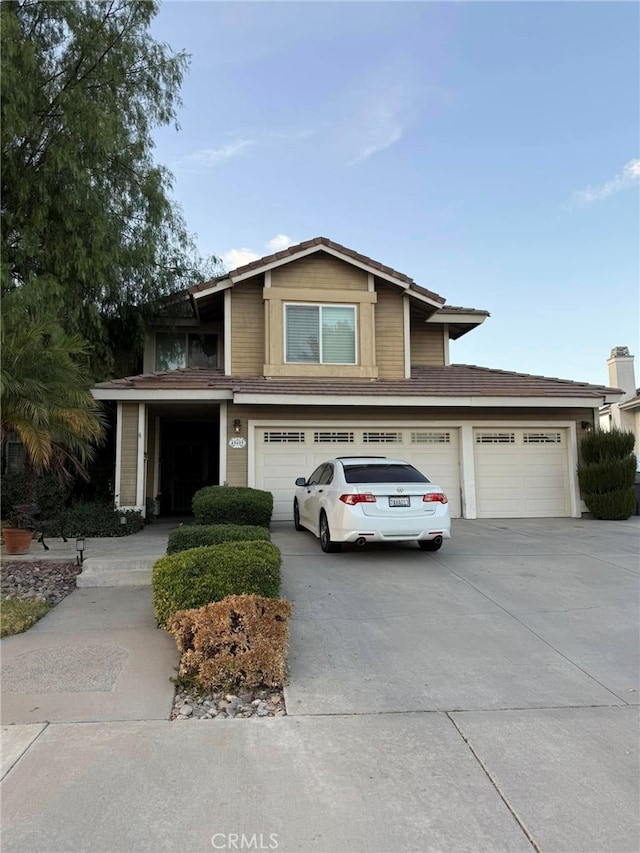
(623, 414)
(316, 351)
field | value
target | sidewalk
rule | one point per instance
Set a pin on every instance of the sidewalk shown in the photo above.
(98, 655)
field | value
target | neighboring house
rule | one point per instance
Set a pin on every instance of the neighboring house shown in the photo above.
(253, 378)
(625, 413)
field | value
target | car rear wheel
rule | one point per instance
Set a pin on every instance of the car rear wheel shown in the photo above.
(326, 544)
(296, 516)
(430, 544)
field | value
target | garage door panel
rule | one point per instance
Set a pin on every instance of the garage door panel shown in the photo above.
(278, 463)
(521, 473)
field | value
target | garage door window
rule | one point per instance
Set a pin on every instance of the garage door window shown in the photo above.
(320, 334)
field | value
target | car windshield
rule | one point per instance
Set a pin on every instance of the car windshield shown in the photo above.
(392, 473)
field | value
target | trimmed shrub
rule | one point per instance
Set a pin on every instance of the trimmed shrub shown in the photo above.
(240, 641)
(98, 519)
(607, 473)
(232, 505)
(47, 491)
(613, 505)
(196, 535)
(200, 576)
(598, 478)
(599, 446)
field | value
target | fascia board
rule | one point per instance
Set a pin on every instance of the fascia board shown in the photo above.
(217, 288)
(133, 395)
(476, 402)
(451, 318)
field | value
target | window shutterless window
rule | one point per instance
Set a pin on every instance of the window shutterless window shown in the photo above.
(185, 349)
(320, 334)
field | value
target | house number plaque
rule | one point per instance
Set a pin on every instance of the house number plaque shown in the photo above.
(238, 442)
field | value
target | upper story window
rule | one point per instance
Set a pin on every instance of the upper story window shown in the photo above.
(185, 349)
(320, 334)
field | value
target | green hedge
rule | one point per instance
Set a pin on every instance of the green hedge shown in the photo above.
(618, 505)
(98, 519)
(607, 473)
(232, 505)
(196, 535)
(200, 576)
(598, 446)
(597, 478)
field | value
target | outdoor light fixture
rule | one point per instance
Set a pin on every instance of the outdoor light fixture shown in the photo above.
(586, 425)
(123, 519)
(236, 425)
(80, 545)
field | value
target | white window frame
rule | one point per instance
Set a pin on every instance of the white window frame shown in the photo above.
(320, 306)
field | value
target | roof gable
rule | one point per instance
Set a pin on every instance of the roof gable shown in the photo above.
(318, 244)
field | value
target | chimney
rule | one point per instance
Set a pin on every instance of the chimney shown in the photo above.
(621, 372)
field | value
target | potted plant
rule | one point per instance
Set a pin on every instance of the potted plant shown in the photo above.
(19, 531)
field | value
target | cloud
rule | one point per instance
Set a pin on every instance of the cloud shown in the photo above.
(238, 257)
(279, 242)
(380, 124)
(211, 156)
(629, 176)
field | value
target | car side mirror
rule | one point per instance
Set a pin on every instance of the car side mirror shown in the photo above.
(301, 481)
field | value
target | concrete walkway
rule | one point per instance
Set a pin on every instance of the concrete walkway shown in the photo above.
(98, 655)
(482, 698)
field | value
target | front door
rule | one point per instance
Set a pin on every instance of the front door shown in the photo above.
(188, 467)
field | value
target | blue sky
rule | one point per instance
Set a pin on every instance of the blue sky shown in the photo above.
(487, 149)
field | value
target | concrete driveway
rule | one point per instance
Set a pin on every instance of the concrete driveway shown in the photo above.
(483, 698)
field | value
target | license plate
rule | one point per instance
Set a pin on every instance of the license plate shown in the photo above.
(399, 502)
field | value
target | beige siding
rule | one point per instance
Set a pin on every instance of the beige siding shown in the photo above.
(247, 329)
(389, 332)
(237, 457)
(129, 457)
(319, 271)
(427, 343)
(151, 455)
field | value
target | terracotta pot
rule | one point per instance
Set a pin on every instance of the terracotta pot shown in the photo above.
(17, 540)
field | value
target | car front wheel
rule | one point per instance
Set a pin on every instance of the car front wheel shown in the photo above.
(326, 544)
(429, 544)
(296, 516)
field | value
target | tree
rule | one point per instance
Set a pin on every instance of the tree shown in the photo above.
(85, 211)
(44, 389)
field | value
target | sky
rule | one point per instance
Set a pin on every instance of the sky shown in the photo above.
(489, 150)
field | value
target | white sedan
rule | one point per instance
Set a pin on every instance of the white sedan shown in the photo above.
(371, 499)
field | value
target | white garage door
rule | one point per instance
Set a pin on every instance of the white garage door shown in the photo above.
(284, 453)
(521, 473)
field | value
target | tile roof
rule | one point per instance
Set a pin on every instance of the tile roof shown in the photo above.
(453, 380)
(291, 251)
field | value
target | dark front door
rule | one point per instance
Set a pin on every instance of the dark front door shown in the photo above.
(188, 464)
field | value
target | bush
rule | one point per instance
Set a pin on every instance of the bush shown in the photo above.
(600, 445)
(597, 478)
(607, 473)
(230, 505)
(612, 505)
(239, 641)
(47, 491)
(99, 519)
(200, 576)
(195, 535)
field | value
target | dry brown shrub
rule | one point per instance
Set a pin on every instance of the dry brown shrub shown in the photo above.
(239, 641)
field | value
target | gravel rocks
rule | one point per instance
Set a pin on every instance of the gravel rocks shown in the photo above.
(40, 579)
(226, 706)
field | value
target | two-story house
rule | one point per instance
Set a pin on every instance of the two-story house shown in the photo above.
(255, 377)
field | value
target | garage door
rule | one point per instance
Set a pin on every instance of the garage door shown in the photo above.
(282, 454)
(521, 473)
